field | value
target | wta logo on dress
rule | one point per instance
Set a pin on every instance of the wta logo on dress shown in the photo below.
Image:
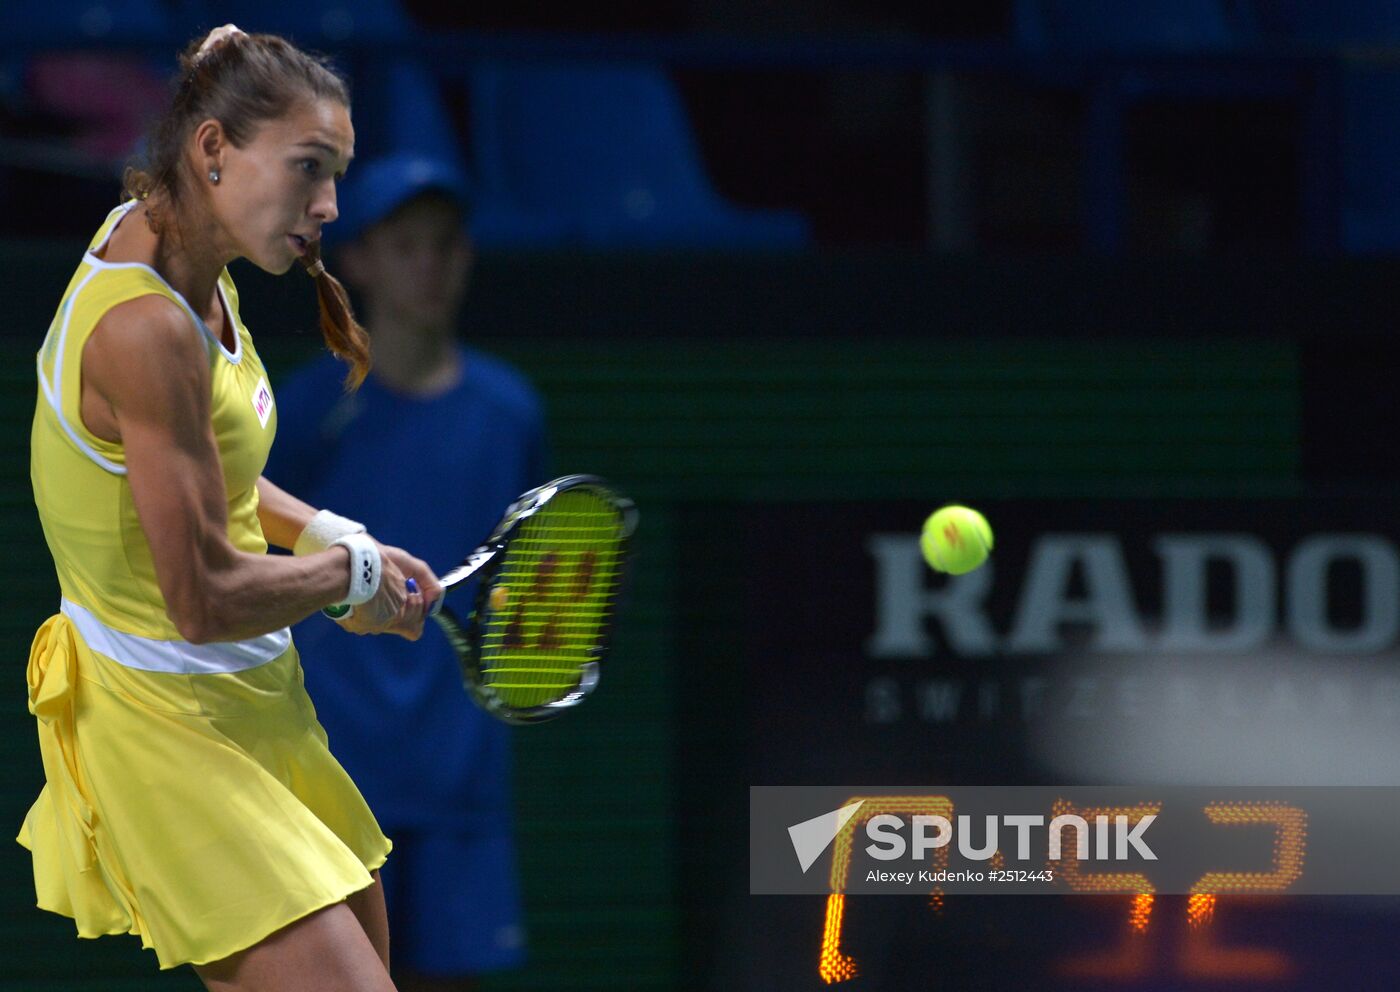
(262, 402)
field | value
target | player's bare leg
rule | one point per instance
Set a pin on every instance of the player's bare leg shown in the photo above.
(327, 951)
(368, 907)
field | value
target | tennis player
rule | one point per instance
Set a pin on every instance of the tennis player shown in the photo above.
(190, 796)
(473, 429)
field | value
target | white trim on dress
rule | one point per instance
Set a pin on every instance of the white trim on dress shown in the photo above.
(53, 391)
(235, 356)
(175, 657)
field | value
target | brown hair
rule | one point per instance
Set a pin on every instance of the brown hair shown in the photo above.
(241, 81)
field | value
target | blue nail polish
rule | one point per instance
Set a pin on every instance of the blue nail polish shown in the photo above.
(412, 586)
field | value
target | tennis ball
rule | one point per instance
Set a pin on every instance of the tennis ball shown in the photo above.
(498, 598)
(956, 539)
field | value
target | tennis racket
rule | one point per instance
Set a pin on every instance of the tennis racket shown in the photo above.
(533, 638)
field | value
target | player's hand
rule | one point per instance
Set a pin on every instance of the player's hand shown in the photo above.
(407, 621)
(416, 569)
(392, 608)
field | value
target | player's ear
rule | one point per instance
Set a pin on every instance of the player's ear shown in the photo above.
(209, 141)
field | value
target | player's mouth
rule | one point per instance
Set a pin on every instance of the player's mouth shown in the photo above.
(299, 243)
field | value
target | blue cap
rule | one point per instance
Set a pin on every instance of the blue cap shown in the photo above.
(373, 190)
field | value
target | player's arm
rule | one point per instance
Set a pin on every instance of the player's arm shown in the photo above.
(282, 515)
(284, 518)
(149, 366)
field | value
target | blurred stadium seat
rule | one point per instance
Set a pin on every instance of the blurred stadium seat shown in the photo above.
(1370, 107)
(60, 23)
(1138, 25)
(70, 109)
(400, 107)
(1341, 22)
(1370, 160)
(606, 149)
(1137, 32)
(307, 22)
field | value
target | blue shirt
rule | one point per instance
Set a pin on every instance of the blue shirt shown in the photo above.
(432, 476)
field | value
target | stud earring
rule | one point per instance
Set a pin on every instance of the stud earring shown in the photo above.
(214, 176)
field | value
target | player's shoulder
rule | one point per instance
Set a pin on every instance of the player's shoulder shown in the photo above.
(149, 323)
(494, 377)
(145, 350)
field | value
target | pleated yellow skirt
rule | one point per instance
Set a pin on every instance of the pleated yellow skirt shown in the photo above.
(198, 812)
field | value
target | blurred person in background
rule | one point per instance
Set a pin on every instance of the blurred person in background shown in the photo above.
(463, 433)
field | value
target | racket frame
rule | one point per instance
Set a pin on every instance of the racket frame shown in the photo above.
(485, 562)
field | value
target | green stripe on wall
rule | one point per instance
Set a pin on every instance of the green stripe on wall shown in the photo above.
(882, 420)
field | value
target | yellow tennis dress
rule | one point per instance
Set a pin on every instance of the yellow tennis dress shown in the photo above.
(190, 796)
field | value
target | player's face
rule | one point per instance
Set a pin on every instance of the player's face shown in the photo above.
(277, 191)
(417, 263)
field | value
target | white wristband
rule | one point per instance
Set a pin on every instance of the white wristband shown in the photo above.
(323, 529)
(365, 567)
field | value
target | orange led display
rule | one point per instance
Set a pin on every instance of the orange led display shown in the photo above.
(1129, 959)
(1096, 817)
(1141, 912)
(833, 965)
(1200, 909)
(1290, 845)
(1199, 956)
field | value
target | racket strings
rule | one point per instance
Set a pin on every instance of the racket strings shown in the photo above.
(559, 576)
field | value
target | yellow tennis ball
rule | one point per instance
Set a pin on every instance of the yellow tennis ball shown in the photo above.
(498, 598)
(956, 539)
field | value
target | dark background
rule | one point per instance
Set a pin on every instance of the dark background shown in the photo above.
(1140, 276)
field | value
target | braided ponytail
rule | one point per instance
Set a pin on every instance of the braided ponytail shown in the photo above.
(345, 338)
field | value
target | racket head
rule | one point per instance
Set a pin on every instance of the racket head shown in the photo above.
(549, 578)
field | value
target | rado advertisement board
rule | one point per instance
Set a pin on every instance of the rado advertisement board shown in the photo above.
(1106, 642)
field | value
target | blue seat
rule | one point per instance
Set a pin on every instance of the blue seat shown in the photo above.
(60, 23)
(52, 28)
(1369, 109)
(1370, 221)
(1126, 25)
(1338, 22)
(308, 22)
(399, 107)
(1137, 34)
(603, 155)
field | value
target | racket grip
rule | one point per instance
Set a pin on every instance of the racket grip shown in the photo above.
(435, 607)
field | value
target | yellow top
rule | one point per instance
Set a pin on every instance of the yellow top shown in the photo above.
(99, 549)
(190, 795)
